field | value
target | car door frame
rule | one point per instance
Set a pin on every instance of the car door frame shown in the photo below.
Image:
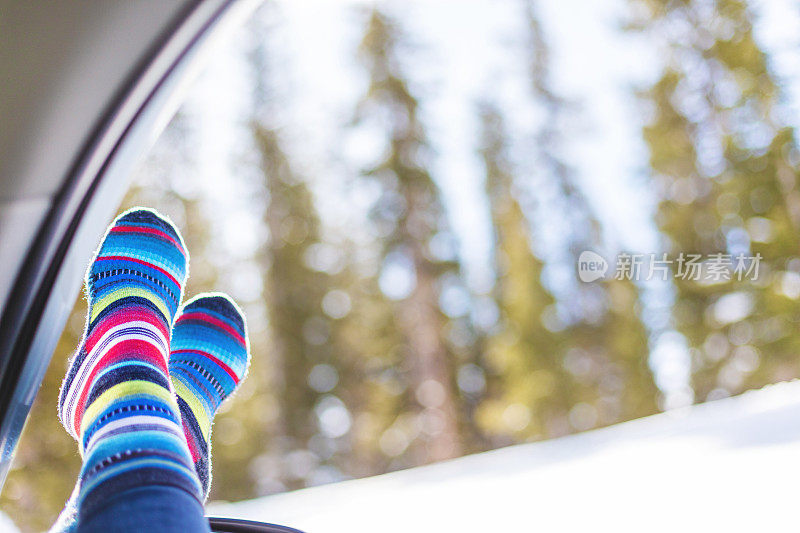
(46, 286)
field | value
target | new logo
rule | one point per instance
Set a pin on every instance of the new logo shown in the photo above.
(591, 266)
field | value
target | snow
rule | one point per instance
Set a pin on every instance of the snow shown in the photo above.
(7, 525)
(728, 465)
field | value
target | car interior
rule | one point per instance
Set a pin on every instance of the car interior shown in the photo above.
(67, 147)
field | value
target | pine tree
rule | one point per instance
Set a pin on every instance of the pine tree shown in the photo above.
(410, 213)
(533, 388)
(607, 343)
(726, 169)
(301, 334)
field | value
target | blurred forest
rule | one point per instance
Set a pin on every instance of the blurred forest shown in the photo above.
(371, 350)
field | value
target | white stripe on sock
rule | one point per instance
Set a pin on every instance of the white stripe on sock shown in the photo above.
(134, 422)
(111, 338)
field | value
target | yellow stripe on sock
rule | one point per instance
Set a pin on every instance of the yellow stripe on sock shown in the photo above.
(200, 414)
(120, 390)
(125, 292)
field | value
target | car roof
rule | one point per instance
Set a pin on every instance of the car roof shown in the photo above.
(63, 65)
(87, 85)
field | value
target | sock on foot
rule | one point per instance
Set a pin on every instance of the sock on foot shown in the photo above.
(209, 359)
(117, 399)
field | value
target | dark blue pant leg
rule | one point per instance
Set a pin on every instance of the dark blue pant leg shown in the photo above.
(150, 509)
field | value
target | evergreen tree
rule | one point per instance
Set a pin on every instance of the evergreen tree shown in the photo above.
(726, 169)
(410, 215)
(533, 388)
(606, 344)
(301, 334)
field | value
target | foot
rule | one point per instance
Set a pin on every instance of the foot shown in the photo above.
(209, 359)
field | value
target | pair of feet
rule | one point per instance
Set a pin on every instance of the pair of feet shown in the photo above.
(142, 390)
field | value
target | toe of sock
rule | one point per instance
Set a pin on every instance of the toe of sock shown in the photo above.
(143, 215)
(222, 305)
(214, 324)
(143, 253)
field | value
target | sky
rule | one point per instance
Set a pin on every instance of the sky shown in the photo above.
(462, 52)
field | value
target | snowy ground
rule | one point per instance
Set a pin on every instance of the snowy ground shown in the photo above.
(7, 525)
(729, 465)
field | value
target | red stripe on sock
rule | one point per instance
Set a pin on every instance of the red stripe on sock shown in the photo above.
(152, 231)
(140, 262)
(134, 349)
(191, 442)
(205, 317)
(122, 316)
(222, 365)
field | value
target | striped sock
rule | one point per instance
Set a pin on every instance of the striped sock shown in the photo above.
(209, 359)
(117, 400)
